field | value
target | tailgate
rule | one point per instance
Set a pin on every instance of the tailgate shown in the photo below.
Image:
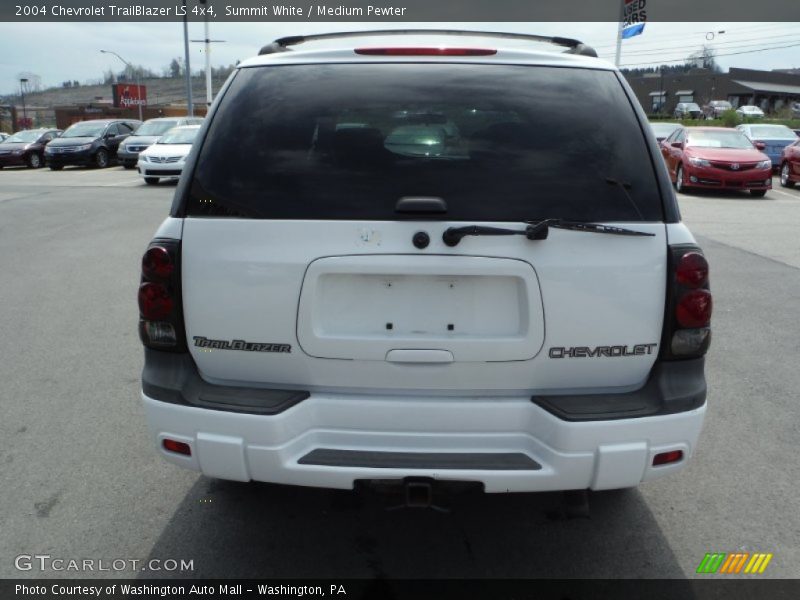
(376, 317)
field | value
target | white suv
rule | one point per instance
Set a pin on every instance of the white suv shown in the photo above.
(420, 262)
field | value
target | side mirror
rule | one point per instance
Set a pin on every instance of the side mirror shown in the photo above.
(677, 144)
(760, 145)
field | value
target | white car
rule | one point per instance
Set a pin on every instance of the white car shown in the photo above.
(522, 309)
(749, 111)
(167, 156)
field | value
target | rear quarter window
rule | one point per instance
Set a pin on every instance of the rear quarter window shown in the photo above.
(496, 142)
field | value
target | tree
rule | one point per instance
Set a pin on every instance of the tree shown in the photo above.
(705, 58)
(175, 68)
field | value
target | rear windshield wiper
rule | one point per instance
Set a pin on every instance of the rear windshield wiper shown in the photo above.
(535, 230)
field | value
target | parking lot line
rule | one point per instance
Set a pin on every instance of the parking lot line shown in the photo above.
(782, 193)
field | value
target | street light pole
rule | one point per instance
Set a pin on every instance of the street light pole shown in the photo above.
(138, 85)
(22, 83)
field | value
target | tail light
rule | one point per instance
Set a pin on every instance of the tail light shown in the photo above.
(160, 314)
(687, 321)
(177, 447)
(666, 458)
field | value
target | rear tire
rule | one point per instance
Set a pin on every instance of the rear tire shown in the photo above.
(758, 193)
(785, 176)
(101, 159)
(34, 160)
(151, 180)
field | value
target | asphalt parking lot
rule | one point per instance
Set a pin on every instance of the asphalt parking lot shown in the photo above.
(81, 479)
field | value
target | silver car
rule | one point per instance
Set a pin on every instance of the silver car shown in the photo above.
(687, 110)
(750, 112)
(147, 134)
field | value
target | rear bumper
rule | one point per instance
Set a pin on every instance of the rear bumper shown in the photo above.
(510, 444)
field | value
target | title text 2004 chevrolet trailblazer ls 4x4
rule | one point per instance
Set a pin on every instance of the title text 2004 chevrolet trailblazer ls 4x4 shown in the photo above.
(442, 261)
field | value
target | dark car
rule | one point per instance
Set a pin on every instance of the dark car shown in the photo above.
(687, 110)
(92, 143)
(715, 108)
(26, 147)
(790, 165)
(716, 158)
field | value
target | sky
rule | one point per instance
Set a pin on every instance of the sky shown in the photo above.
(71, 51)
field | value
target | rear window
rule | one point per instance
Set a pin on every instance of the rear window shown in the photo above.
(497, 143)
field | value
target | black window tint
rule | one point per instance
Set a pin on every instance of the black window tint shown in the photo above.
(124, 128)
(112, 129)
(497, 143)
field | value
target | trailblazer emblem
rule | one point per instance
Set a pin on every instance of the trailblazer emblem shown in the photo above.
(204, 342)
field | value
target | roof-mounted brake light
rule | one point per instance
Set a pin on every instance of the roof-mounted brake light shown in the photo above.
(418, 51)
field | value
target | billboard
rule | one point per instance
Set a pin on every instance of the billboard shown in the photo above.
(129, 95)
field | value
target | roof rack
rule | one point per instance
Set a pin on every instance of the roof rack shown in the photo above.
(282, 44)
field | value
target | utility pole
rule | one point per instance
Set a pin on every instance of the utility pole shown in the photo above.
(189, 104)
(207, 42)
(22, 83)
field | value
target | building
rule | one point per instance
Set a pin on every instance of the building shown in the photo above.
(769, 90)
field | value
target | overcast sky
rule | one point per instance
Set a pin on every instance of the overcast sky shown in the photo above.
(68, 51)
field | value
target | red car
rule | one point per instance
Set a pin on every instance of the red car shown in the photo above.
(716, 158)
(790, 165)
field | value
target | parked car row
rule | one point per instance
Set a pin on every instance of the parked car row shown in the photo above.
(714, 110)
(99, 142)
(720, 158)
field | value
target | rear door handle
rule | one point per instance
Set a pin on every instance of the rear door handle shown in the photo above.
(419, 356)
